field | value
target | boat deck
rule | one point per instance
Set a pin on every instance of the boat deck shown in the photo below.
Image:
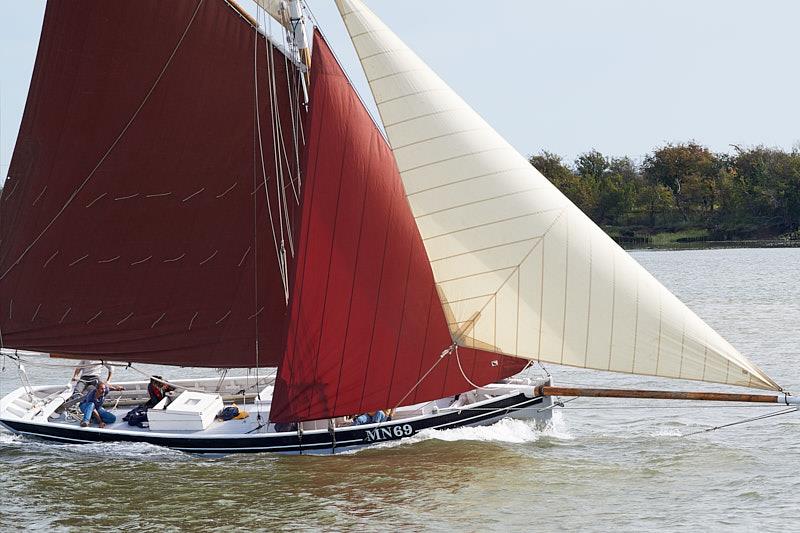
(57, 406)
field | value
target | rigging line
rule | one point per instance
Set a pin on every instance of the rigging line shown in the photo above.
(280, 148)
(282, 248)
(282, 143)
(294, 108)
(301, 82)
(255, 214)
(442, 355)
(744, 421)
(150, 376)
(458, 360)
(273, 112)
(294, 130)
(648, 407)
(110, 148)
(264, 173)
(557, 403)
(2, 349)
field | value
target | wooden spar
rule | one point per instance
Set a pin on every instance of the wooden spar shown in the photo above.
(244, 14)
(668, 395)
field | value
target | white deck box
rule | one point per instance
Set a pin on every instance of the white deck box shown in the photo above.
(190, 411)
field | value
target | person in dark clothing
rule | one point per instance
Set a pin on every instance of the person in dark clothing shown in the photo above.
(157, 389)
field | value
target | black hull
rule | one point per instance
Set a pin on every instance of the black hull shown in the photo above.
(346, 438)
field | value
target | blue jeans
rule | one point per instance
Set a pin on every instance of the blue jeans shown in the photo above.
(360, 420)
(88, 408)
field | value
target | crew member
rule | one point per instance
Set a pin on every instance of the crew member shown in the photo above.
(92, 404)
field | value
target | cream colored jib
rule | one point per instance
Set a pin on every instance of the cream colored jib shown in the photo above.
(520, 270)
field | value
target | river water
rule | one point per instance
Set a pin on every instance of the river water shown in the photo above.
(606, 464)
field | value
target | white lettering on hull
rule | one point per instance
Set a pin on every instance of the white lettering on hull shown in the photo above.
(389, 433)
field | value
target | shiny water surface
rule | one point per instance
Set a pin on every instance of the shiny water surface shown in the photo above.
(606, 464)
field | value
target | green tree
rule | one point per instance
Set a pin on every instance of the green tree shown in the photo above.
(691, 171)
(560, 175)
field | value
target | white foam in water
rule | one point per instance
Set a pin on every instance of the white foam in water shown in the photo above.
(506, 430)
(664, 432)
(510, 430)
(7, 438)
(123, 450)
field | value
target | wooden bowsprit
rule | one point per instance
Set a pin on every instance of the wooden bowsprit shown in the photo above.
(782, 398)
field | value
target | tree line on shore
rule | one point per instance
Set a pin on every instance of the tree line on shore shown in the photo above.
(751, 193)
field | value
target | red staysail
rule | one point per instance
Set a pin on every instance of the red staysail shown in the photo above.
(129, 218)
(366, 323)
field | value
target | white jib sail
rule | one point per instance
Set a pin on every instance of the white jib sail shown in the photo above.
(520, 270)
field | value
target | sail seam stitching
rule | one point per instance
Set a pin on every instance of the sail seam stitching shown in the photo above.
(353, 283)
(437, 137)
(331, 251)
(482, 273)
(589, 303)
(613, 306)
(463, 180)
(495, 222)
(455, 157)
(468, 252)
(383, 52)
(401, 73)
(113, 144)
(487, 295)
(566, 293)
(517, 268)
(482, 200)
(426, 115)
(415, 93)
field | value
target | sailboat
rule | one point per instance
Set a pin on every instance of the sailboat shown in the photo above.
(187, 191)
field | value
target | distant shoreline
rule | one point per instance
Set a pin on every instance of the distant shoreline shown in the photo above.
(642, 244)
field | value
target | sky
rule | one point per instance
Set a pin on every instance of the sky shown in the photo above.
(619, 76)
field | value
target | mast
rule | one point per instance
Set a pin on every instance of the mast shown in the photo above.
(291, 15)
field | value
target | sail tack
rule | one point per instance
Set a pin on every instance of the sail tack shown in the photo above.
(519, 269)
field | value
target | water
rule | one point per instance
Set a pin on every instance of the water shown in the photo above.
(606, 464)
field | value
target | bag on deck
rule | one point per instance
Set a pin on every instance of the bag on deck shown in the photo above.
(137, 416)
(229, 413)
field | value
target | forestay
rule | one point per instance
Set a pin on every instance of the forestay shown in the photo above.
(519, 269)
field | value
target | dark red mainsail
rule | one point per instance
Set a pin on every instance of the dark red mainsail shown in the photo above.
(366, 324)
(134, 222)
(136, 227)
